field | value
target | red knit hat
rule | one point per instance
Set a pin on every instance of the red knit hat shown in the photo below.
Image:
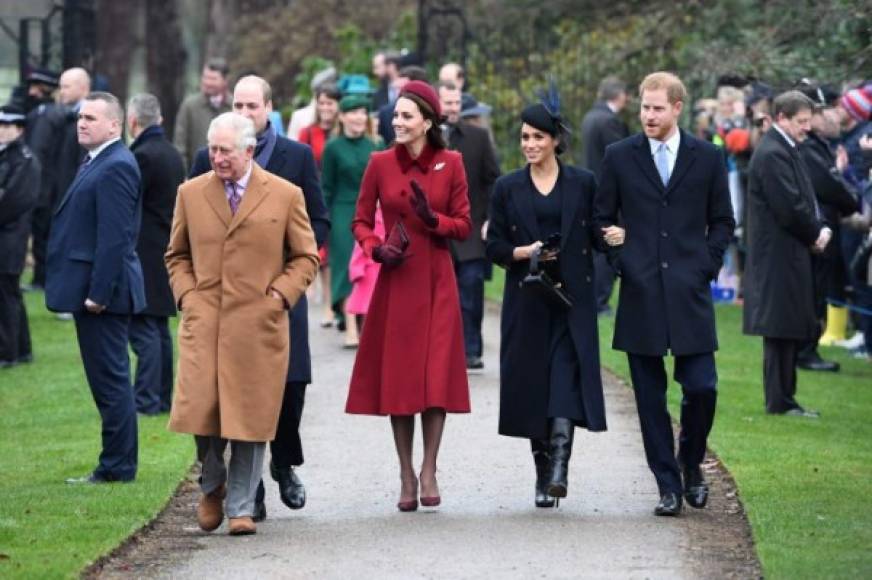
(426, 93)
(858, 102)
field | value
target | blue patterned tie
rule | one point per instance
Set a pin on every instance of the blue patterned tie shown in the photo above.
(661, 160)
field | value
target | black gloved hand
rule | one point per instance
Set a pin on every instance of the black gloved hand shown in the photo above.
(422, 206)
(388, 255)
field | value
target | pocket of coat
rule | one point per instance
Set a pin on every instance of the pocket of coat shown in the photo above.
(81, 256)
(276, 304)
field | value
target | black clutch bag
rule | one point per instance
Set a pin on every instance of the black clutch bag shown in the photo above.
(539, 282)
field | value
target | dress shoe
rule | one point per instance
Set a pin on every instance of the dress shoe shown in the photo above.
(562, 431)
(800, 412)
(542, 459)
(90, 479)
(7, 364)
(259, 511)
(408, 506)
(818, 364)
(696, 490)
(210, 511)
(474, 363)
(243, 526)
(669, 504)
(291, 488)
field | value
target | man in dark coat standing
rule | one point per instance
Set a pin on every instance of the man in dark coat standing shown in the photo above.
(470, 262)
(93, 271)
(837, 199)
(163, 170)
(252, 98)
(19, 190)
(600, 128)
(671, 190)
(784, 228)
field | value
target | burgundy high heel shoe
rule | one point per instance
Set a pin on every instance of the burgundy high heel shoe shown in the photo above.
(409, 505)
(432, 501)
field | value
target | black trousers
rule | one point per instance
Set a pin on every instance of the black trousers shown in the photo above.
(151, 342)
(103, 342)
(14, 329)
(40, 224)
(780, 356)
(604, 276)
(698, 378)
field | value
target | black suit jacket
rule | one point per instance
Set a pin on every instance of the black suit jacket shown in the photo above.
(482, 170)
(600, 128)
(163, 170)
(293, 162)
(781, 226)
(385, 123)
(675, 240)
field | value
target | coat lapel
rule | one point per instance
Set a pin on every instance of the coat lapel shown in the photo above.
(217, 198)
(570, 202)
(642, 154)
(82, 173)
(254, 194)
(683, 162)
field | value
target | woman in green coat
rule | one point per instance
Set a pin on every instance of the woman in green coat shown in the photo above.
(342, 165)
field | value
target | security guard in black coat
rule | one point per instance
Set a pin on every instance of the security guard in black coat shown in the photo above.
(19, 188)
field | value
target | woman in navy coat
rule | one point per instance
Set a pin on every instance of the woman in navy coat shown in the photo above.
(549, 355)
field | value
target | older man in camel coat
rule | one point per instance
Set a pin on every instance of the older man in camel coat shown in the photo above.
(241, 253)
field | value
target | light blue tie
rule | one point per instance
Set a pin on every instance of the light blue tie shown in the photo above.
(661, 160)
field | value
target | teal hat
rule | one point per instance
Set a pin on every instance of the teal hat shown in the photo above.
(353, 101)
(354, 85)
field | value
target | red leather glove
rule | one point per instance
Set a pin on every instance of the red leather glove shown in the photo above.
(422, 206)
(388, 255)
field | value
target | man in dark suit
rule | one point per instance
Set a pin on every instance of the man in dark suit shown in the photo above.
(600, 128)
(470, 263)
(784, 228)
(252, 97)
(162, 170)
(56, 145)
(19, 190)
(93, 271)
(671, 191)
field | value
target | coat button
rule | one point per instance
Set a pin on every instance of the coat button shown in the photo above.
(664, 265)
(403, 193)
(584, 251)
(664, 234)
(514, 228)
(665, 203)
(587, 278)
(520, 284)
(583, 223)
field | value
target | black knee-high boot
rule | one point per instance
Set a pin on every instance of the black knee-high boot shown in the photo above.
(542, 458)
(562, 431)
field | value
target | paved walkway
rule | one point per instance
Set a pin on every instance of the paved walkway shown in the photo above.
(487, 526)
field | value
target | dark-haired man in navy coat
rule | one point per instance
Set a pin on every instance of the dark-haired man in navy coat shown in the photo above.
(92, 270)
(671, 190)
(252, 97)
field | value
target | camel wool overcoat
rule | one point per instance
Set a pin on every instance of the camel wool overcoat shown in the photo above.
(233, 337)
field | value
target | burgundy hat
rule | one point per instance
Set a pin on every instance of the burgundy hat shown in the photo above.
(426, 93)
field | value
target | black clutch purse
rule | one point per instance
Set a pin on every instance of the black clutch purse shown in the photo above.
(539, 282)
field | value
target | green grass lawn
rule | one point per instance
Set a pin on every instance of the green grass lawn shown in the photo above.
(50, 430)
(806, 485)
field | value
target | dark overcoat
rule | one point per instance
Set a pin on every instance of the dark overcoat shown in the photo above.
(19, 191)
(782, 225)
(600, 128)
(482, 170)
(92, 244)
(524, 347)
(295, 163)
(162, 170)
(676, 236)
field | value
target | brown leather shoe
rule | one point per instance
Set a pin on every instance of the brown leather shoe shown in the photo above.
(210, 511)
(243, 526)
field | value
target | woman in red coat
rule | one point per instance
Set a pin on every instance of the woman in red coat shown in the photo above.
(411, 358)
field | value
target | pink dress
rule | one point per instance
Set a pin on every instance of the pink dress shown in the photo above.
(363, 272)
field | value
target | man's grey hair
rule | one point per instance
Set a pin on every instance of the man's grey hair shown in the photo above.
(610, 88)
(113, 105)
(791, 103)
(242, 126)
(145, 108)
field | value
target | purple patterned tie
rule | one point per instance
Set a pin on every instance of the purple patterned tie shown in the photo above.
(234, 198)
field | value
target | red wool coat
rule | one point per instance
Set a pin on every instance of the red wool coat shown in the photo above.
(411, 356)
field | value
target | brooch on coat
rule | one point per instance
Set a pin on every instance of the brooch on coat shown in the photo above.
(439, 166)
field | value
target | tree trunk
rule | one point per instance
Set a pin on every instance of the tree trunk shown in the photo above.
(222, 16)
(165, 58)
(116, 39)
